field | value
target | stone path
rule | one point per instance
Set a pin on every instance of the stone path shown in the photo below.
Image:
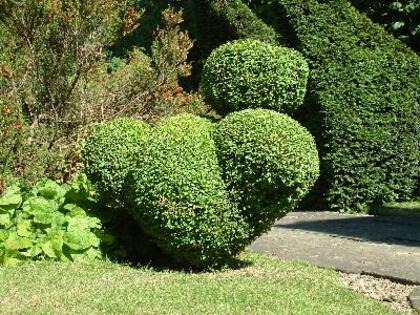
(382, 246)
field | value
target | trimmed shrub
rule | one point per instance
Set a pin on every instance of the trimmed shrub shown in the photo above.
(365, 85)
(251, 74)
(178, 197)
(214, 22)
(243, 22)
(269, 164)
(109, 151)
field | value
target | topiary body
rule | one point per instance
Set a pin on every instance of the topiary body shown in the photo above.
(178, 197)
(108, 154)
(251, 74)
(269, 164)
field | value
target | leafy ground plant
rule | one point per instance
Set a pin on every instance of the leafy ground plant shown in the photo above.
(49, 221)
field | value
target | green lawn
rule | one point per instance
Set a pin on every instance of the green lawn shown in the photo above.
(266, 286)
(399, 208)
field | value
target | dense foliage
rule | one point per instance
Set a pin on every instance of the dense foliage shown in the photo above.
(401, 18)
(183, 180)
(215, 22)
(178, 196)
(251, 74)
(365, 112)
(243, 22)
(63, 77)
(269, 164)
(108, 154)
(199, 191)
(49, 221)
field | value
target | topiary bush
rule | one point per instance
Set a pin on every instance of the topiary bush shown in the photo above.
(250, 73)
(269, 164)
(364, 109)
(178, 197)
(108, 154)
(199, 202)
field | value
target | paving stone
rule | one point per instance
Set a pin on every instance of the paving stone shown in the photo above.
(382, 246)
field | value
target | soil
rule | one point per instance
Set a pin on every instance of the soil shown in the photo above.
(390, 292)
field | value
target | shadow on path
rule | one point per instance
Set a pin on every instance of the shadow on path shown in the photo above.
(383, 246)
(402, 230)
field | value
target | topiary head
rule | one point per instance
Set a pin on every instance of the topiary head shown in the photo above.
(269, 163)
(250, 73)
(109, 151)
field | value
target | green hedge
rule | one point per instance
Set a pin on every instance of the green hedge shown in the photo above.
(251, 74)
(401, 18)
(178, 197)
(364, 86)
(108, 154)
(214, 22)
(243, 22)
(269, 162)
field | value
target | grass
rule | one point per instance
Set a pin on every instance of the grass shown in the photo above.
(265, 285)
(399, 208)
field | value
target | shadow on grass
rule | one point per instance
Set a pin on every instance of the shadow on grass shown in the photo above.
(152, 257)
(411, 208)
(400, 230)
(131, 247)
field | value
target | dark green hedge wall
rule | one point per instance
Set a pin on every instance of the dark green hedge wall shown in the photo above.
(364, 103)
(401, 18)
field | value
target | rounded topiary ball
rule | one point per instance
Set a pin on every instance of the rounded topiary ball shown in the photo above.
(253, 74)
(108, 154)
(178, 197)
(269, 163)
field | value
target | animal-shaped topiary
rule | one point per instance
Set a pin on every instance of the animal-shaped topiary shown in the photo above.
(203, 191)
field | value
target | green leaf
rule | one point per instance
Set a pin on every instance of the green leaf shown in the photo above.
(14, 242)
(5, 220)
(37, 205)
(79, 240)
(48, 249)
(47, 218)
(11, 261)
(397, 25)
(106, 238)
(35, 250)
(3, 235)
(74, 210)
(24, 228)
(83, 255)
(82, 223)
(50, 190)
(11, 199)
(52, 243)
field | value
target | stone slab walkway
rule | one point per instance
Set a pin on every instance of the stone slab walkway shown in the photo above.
(382, 246)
